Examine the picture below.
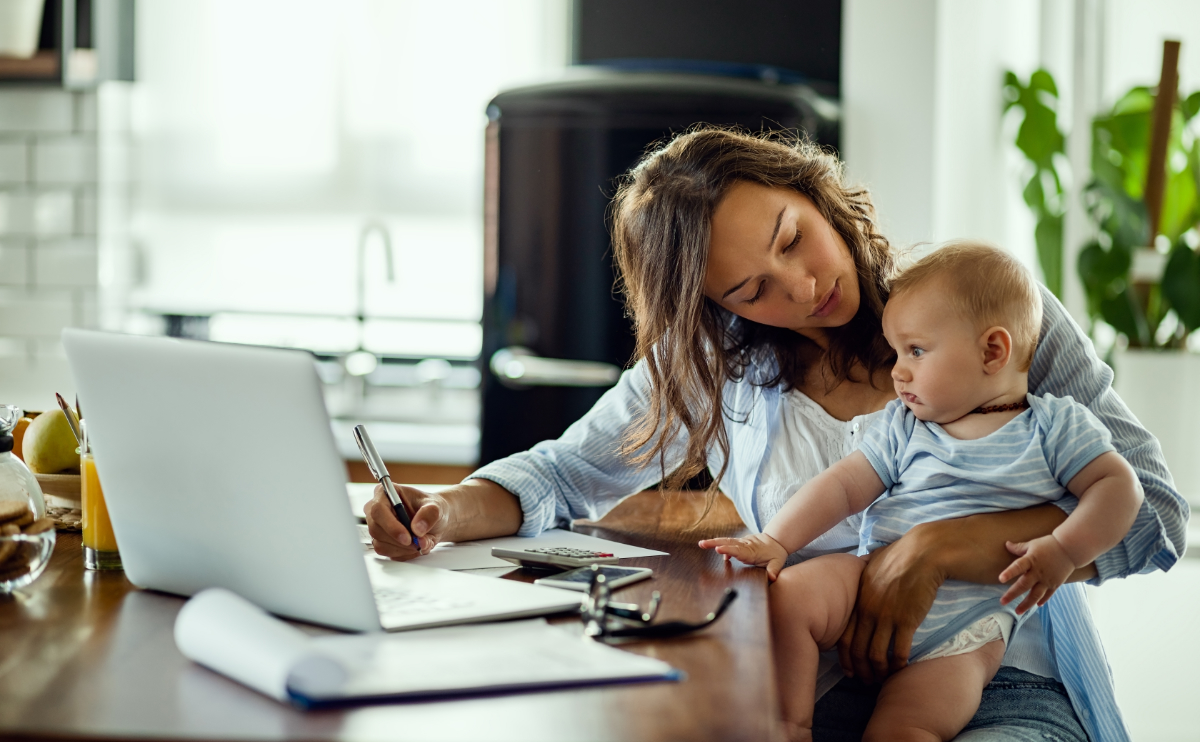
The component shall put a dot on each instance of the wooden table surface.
(86, 655)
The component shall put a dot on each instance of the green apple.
(50, 446)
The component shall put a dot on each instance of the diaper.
(985, 630)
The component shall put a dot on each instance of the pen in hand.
(380, 472)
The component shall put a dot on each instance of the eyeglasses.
(605, 619)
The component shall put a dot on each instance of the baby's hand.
(1042, 566)
(760, 550)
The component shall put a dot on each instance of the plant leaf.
(1181, 285)
(1039, 137)
(1179, 209)
(1035, 197)
(1137, 100)
(1190, 105)
(1049, 238)
(1043, 80)
(1103, 271)
(1124, 314)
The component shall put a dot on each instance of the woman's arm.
(901, 580)
(1066, 365)
(580, 475)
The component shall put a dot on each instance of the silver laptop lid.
(219, 469)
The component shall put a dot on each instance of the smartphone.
(580, 579)
(555, 558)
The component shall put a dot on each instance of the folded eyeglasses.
(605, 619)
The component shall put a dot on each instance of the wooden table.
(86, 655)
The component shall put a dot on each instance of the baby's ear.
(996, 344)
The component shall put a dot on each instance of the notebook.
(228, 634)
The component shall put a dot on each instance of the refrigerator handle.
(519, 368)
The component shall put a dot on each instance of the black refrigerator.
(555, 334)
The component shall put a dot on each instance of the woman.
(757, 280)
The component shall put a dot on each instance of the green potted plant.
(1141, 272)
(1044, 146)
(1147, 290)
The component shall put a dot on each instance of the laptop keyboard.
(397, 601)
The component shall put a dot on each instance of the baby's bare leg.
(934, 699)
(810, 605)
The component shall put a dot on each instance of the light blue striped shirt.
(583, 475)
(931, 475)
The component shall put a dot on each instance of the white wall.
(48, 237)
(922, 108)
(1133, 35)
(888, 72)
(921, 90)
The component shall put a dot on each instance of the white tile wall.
(14, 263)
(25, 314)
(86, 212)
(16, 212)
(14, 161)
(48, 246)
(69, 160)
(38, 111)
(70, 263)
(54, 213)
(86, 113)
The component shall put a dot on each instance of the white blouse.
(806, 443)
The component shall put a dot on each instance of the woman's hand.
(475, 509)
(390, 538)
(896, 591)
(760, 550)
(900, 582)
(1042, 567)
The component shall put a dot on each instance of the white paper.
(228, 634)
(478, 554)
(463, 659)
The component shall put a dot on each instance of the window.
(275, 136)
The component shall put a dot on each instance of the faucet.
(362, 362)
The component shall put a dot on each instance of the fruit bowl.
(26, 557)
(62, 490)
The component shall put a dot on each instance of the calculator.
(554, 558)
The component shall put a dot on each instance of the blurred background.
(414, 191)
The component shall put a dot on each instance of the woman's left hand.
(896, 591)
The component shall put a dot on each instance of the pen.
(380, 472)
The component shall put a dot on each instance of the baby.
(964, 437)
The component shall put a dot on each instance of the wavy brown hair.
(661, 224)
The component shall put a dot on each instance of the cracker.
(17, 561)
(9, 529)
(7, 549)
(12, 510)
(39, 526)
(24, 520)
(7, 574)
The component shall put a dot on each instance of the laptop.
(220, 469)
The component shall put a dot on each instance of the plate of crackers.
(26, 543)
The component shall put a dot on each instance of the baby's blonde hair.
(987, 287)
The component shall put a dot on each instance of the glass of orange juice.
(99, 543)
